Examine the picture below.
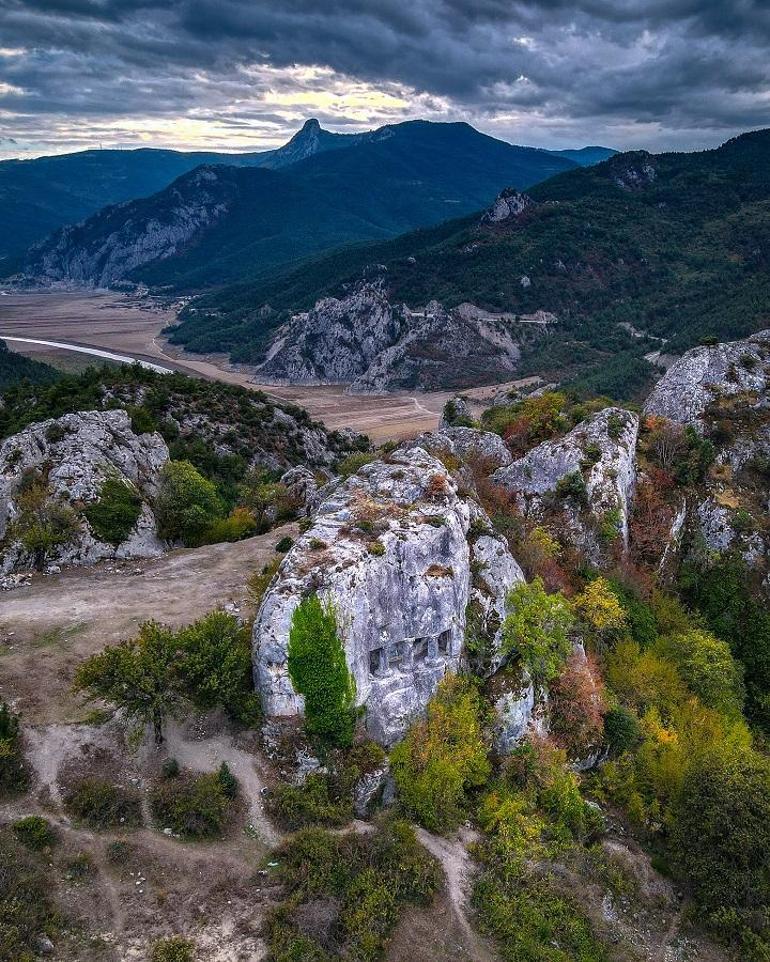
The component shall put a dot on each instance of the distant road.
(96, 352)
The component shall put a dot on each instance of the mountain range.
(42, 195)
(638, 256)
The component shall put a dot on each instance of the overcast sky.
(244, 74)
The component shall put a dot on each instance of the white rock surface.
(608, 439)
(77, 453)
(401, 612)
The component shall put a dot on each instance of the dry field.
(132, 326)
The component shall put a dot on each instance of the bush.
(353, 462)
(443, 757)
(186, 504)
(26, 911)
(536, 629)
(13, 774)
(43, 524)
(296, 806)
(578, 706)
(34, 832)
(621, 729)
(361, 881)
(319, 671)
(102, 804)
(239, 524)
(284, 545)
(193, 806)
(173, 949)
(113, 517)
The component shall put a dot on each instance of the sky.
(244, 74)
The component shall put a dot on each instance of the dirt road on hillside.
(131, 326)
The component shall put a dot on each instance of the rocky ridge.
(370, 344)
(53, 469)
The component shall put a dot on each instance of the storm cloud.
(242, 74)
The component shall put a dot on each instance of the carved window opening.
(376, 661)
(444, 642)
(420, 649)
(396, 655)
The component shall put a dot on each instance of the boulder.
(71, 457)
(393, 549)
(467, 445)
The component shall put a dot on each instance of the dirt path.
(46, 629)
(459, 870)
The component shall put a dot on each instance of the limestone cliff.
(402, 556)
(370, 344)
(54, 469)
(584, 481)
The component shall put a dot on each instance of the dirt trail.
(207, 753)
(459, 870)
(46, 629)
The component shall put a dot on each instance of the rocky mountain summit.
(403, 556)
(54, 470)
(509, 203)
(371, 344)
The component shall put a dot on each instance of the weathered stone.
(401, 607)
(520, 710)
(601, 451)
(484, 448)
(510, 203)
(76, 454)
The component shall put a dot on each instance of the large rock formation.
(586, 478)
(705, 374)
(54, 469)
(370, 344)
(404, 559)
(509, 203)
(721, 392)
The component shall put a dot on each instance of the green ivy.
(113, 517)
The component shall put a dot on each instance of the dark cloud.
(657, 73)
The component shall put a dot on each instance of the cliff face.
(585, 478)
(372, 345)
(51, 472)
(401, 555)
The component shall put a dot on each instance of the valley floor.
(131, 326)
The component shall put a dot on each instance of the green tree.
(707, 667)
(720, 838)
(13, 776)
(138, 676)
(114, 515)
(443, 757)
(536, 629)
(215, 665)
(186, 504)
(318, 670)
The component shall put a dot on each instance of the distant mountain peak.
(312, 123)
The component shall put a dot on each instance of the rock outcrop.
(585, 478)
(403, 557)
(509, 203)
(54, 469)
(705, 374)
(370, 344)
(468, 445)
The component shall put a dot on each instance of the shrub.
(114, 515)
(239, 524)
(34, 832)
(443, 757)
(621, 729)
(102, 804)
(319, 671)
(13, 773)
(173, 949)
(296, 806)
(353, 462)
(26, 911)
(536, 629)
(360, 881)
(43, 524)
(284, 545)
(572, 486)
(214, 666)
(193, 806)
(599, 609)
(577, 706)
(186, 504)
